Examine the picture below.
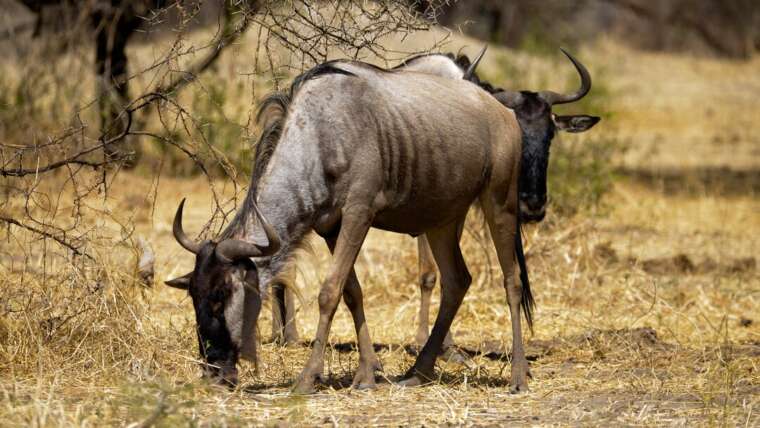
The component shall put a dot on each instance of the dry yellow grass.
(617, 339)
(647, 309)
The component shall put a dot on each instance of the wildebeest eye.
(216, 306)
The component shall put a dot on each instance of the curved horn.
(235, 249)
(555, 98)
(471, 69)
(179, 234)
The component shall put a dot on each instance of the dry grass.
(647, 306)
(618, 339)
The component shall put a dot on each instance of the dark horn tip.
(568, 55)
(179, 233)
(556, 98)
(180, 210)
(469, 73)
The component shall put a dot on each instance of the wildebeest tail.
(527, 301)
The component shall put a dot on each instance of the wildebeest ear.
(577, 123)
(182, 282)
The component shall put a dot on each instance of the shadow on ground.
(598, 345)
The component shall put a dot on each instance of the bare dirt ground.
(647, 305)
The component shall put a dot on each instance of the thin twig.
(41, 232)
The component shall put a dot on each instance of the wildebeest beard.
(211, 294)
(538, 130)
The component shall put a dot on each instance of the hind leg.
(291, 330)
(428, 275)
(278, 314)
(455, 280)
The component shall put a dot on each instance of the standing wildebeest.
(533, 111)
(349, 153)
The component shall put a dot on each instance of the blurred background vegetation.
(728, 28)
(185, 76)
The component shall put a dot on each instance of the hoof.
(303, 387)
(518, 384)
(410, 382)
(453, 355)
(364, 381)
(291, 340)
(365, 374)
(272, 340)
(286, 343)
(364, 386)
(292, 344)
(518, 388)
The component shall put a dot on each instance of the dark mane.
(310, 74)
(273, 112)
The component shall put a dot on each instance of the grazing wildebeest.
(350, 152)
(533, 111)
(284, 329)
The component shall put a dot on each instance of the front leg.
(284, 330)
(354, 299)
(455, 280)
(355, 223)
(501, 215)
(368, 361)
(428, 273)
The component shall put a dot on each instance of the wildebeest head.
(539, 125)
(224, 287)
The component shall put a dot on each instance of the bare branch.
(55, 177)
(226, 36)
(76, 158)
(61, 240)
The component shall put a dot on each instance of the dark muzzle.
(221, 373)
(532, 207)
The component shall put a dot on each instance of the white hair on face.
(240, 313)
(252, 307)
(233, 310)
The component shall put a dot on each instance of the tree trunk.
(114, 24)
